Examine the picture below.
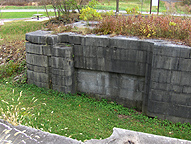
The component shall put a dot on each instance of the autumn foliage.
(167, 27)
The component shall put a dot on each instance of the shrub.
(147, 26)
(133, 10)
(88, 14)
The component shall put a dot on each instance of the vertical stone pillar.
(62, 66)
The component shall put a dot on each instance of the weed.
(14, 112)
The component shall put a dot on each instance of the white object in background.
(1, 22)
(155, 2)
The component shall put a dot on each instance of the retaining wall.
(152, 76)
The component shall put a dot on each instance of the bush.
(132, 10)
(168, 27)
(187, 2)
(88, 14)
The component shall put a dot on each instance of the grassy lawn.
(80, 117)
(9, 15)
(110, 5)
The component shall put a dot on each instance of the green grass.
(9, 15)
(111, 5)
(27, 7)
(82, 117)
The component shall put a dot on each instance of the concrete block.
(179, 111)
(87, 77)
(38, 37)
(185, 79)
(64, 37)
(179, 98)
(187, 90)
(93, 40)
(101, 64)
(61, 63)
(41, 77)
(93, 51)
(185, 53)
(166, 50)
(165, 62)
(52, 40)
(47, 50)
(100, 52)
(185, 65)
(79, 62)
(164, 76)
(157, 107)
(103, 79)
(126, 94)
(78, 50)
(30, 74)
(38, 60)
(62, 51)
(75, 39)
(159, 96)
(116, 54)
(33, 48)
(176, 77)
(125, 43)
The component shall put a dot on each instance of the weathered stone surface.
(119, 136)
(134, 72)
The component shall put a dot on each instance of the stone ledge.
(119, 136)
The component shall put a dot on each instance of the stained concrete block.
(93, 40)
(75, 39)
(38, 37)
(63, 51)
(118, 42)
(33, 48)
(38, 60)
(78, 50)
(167, 50)
(187, 90)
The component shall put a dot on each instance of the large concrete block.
(64, 37)
(185, 65)
(75, 39)
(93, 40)
(52, 40)
(176, 77)
(185, 79)
(41, 77)
(78, 50)
(187, 90)
(63, 51)
(165, 62)
(33, 48)
(158, 108)
(61, 63)
(37, 68)
(167, 50)
(179, 111)
(121, 42)
(179, 98)
(38, 37)
(38, 60)
(159, 95)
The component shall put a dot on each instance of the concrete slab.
(26, 135)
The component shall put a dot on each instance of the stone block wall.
(152, 76)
